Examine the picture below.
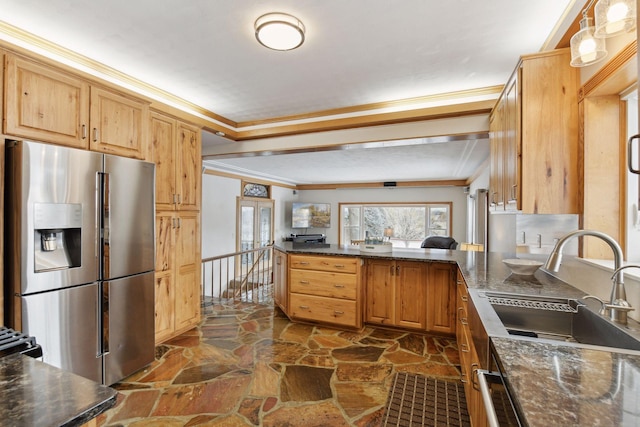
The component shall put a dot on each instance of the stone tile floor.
(248, 365)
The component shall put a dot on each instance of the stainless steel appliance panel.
(44, 177)
(129, 217)
(129, 329)
(65, 324)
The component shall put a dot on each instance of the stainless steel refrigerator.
(80, 257)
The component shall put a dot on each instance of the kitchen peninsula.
(37, 394)
(550, 383)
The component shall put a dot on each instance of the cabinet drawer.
(323, 309)
(322, 283)
(338, 264)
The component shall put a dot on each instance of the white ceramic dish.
(523, 267)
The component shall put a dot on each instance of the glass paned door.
(255, 229)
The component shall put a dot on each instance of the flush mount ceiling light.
(279, 31)
(614, 17)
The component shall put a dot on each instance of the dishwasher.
(495, 395)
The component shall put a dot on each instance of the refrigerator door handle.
(106, 225)
(104, 319)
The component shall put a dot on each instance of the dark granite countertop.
(36, 394)
(551, 383)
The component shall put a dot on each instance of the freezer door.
(51, 195)
(65, 324)
(128, 217)
(128, 326)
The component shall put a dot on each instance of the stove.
(16, 342)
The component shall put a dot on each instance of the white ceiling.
(356, 52)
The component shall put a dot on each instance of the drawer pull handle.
(338, 265)
(463, 377)
(464, 347)
(304, 263)
(338, 286)
(463, 319)
(338, 313)
(304, 307)
(464, 298)
(474, 372)
(304, 282)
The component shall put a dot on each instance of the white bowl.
(523, 267)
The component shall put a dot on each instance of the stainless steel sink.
(561, 319)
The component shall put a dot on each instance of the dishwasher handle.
(492, 418)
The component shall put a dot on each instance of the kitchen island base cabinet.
(410, 294)
(280, 290)
(323, 309)
(396, 293)
(441, 314)
(325, 289)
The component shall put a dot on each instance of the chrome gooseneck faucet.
(618, 306)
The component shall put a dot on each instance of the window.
(406, 224)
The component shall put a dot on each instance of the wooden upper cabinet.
(534, 138)
(163, 143)
(50, 105)
(189, 173)
(118, 124)
(45, 104)
(176, 151)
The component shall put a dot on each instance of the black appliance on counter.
(309, 241)
(16, 342)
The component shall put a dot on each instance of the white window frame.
(343, 235)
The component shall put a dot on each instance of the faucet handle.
(603, 305)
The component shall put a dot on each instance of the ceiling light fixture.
(279, 31)
(612, 17)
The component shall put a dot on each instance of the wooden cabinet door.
(410, 286)
(164, 306)
(163, 142)
(280, 279)
(441, 298)
(496, 132)
(512, 159)
(165, 276)
(189, 167)
(188, 262)
(45, 104)
(379, 299)
(118, 124)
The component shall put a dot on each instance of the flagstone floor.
(248, 365)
